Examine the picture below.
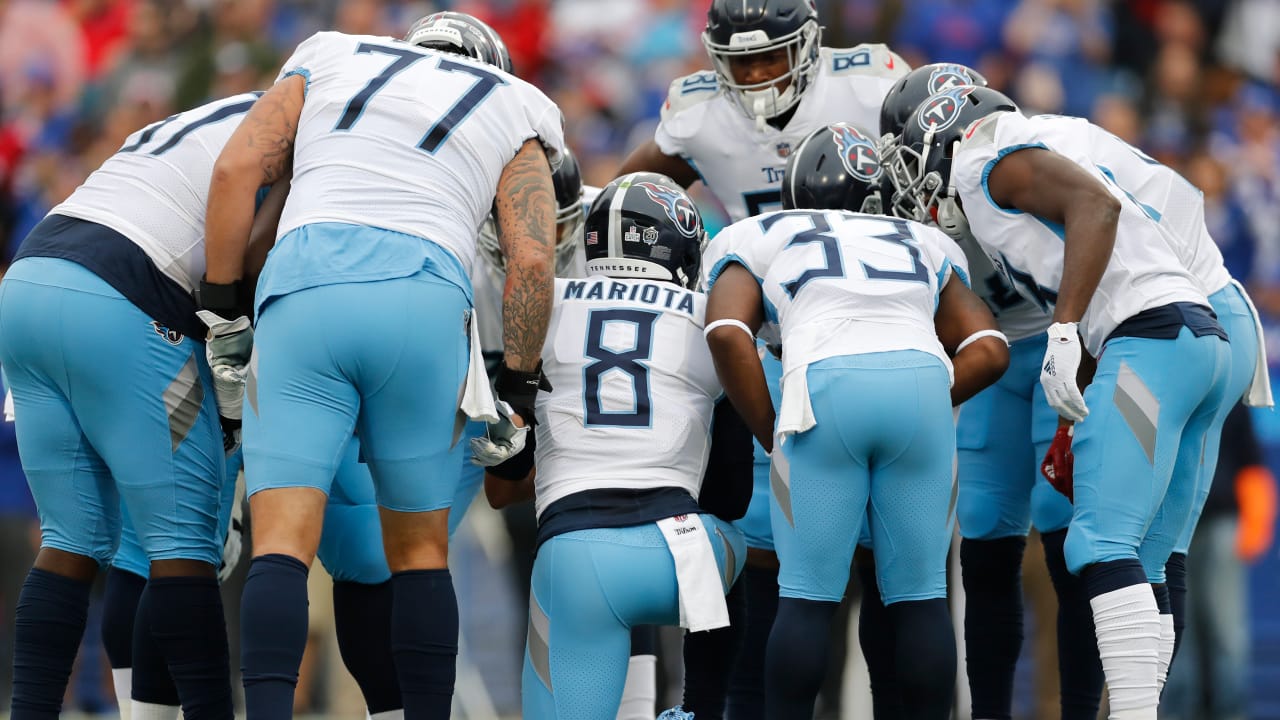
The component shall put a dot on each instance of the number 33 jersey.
(840, 283)
(408, 139)
(634, 389)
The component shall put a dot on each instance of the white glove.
(228, 346)
(1058, 373)
(502, 440)
(231, 548)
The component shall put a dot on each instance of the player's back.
(842, 283)
(408, 139)
(634, 389)
(1163, 194)
(155, 188)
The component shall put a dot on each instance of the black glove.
(520, 389)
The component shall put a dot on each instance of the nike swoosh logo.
(889, 63)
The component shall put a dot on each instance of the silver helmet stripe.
(615, 215)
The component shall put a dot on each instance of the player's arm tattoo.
(526, 210)
(259, 152)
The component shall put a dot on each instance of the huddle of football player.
(391, 251)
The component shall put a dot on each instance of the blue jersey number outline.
(903, 236)
(442, 128)
(631, 362)
(149, 132)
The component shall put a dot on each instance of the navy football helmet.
(919, 85)
(920, 167)
(736, 28)
(644, 225)
(567, 180)
(837, 167)
(461, 34)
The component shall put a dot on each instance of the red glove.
(1059, 462)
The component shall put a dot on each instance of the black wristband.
(220, 298)
(520, 389)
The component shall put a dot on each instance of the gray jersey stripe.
(182, 401)
(1139, 408)
(539, 641)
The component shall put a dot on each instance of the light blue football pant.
(130, 556)
(1002, 435)
(880, 453)
(1235, 317)
(351, 544)
(589, 588)
(1138, 453)
(383, 359)
(111, 407)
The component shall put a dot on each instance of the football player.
(116, 268)
(870, 308)
(621, 446)
(1001, 435)
(733, 128)
(401, 149)
(1070, 239)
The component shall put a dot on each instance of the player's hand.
(502, 440)
(1058, 466)
(1058, 372)
(519, 389)
(227, 347)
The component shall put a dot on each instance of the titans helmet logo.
(858, 153)
(942, 110)
(677, 206)
(945, 77)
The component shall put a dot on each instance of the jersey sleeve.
(873, 60)
(309, 54)
(544, 121)
(729, 246)
(682, 112)
(983, 144)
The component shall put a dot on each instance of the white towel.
(1258, 393)
(475, 401)
(8, 406)
(796, 413)
(702, 605)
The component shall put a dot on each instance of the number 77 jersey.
(408, 139)
(841, 283)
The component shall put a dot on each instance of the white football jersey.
(841, 283)
(408, 139)
(1144, 272)
(742, 165)
(1163, 194)
(1019, 318)
(154, 190)
(488, 282)
(633, 383)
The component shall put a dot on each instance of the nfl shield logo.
(784, 149)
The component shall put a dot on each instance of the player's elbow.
(233, 168)
(985, 360)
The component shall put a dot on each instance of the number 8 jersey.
(634, 389)
(408, 139)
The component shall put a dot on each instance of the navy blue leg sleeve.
(925, 656)
(796, 660)
(876, 638)
(362, 619)
(992, 571)
(1175, 576)
(119, 608)
(48, 625)
(1079, 667)
(190, 630)
(273, 634)
(424, 639)
(746, 684)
